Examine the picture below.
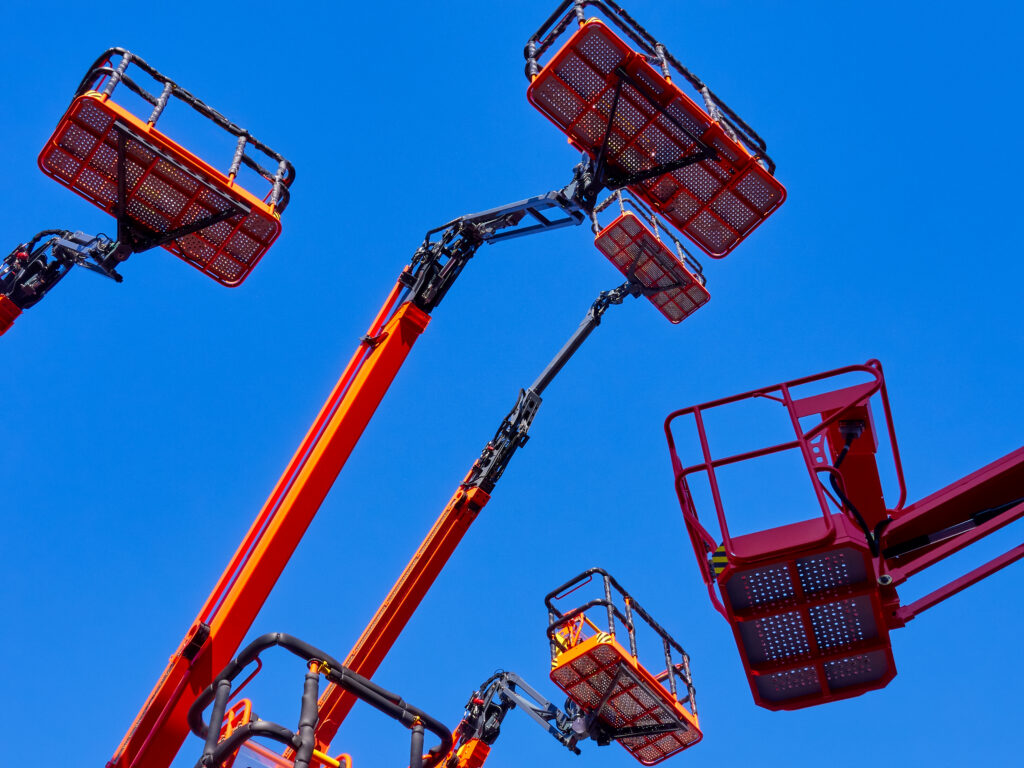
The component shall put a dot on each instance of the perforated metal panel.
(716, 203)
(809, 629)
(167, 188)
(601, 670)
(630, 245)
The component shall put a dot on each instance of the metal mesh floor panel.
(603, 671)
(716, 203)
(167, 188)
(628, 243)
(810, 629)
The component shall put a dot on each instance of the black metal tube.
(161, 102)
(669, 668)
(308, 716)
(611, 608)
(236, 161)
(416, 746)
(220, 704)
(632, 632)
(590, 322)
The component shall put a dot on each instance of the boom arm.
(486, 710)
(434, 552)
(29, 271)
(161, 726)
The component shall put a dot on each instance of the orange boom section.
(616, 107)
(161, 193)
(600, 670)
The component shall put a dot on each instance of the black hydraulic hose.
(834, 476)
(416, 746)
(308, 716)
(924, 540)
(389, 703)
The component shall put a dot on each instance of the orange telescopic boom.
(161, 726)
(651, 270)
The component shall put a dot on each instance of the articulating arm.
(503, 692)
(31, 269)
(446, 249)
(512, 434)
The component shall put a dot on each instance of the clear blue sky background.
(145, 423)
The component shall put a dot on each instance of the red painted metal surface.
(168, 187)
(716, 203)
(160, 728)
(9, 312)
(811, 603)
(631, 246)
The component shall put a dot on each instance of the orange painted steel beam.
(160, 728)
(403, 599)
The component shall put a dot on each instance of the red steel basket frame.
(673, 283)
(706, 172)
(811, 603)
(160, 193)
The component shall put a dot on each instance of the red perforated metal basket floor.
(810, 629)
(587, 672)
(716, 203)
(628, 243)
(167, 188)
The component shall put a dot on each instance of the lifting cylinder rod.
(434, 552)
(161, 727)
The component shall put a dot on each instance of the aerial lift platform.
(160, 193)
(811, 603)
(674, 284)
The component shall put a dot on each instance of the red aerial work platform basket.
(651, 721)
(705, 171)
(639, 253)
(161, 193)
(811, 603)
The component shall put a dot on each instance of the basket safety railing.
(808, 442)
(160, 193)
(562, 623)
(104, 77)
(220, 744)
(811, 603)
(570, 11)
(625, 201)
(708, 175)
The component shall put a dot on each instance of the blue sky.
(146, 422)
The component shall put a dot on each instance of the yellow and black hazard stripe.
(719, 560)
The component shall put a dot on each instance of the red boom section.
(398, 607)
(9, 312)
(160, 728)
(717, 203)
